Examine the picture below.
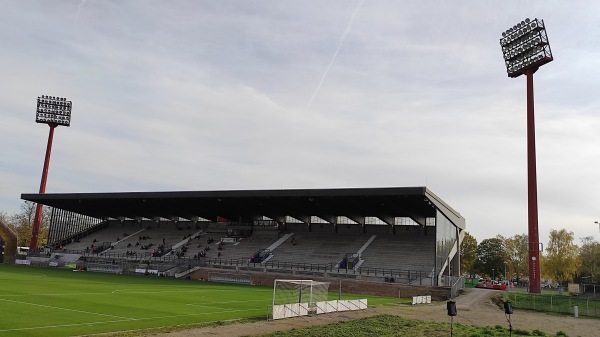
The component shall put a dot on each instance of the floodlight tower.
(53, 111)
(525, 47)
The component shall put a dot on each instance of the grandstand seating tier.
(407, 250)
(318, 248)
(398, 252)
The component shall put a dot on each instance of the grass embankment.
(390, 325)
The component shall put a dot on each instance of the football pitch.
(60, 302)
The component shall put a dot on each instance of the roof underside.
(417, 203)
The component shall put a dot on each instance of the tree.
(490, 259)
(517, 255)
(468, 254)
(4, 217)
(22, 224)
(561, 260)
(589, 257)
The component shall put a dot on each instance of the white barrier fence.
(303, 309)
(421, 300)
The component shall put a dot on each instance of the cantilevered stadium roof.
(386, 203)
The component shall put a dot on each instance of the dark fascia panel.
(386, 201)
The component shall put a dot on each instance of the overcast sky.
(221, 95)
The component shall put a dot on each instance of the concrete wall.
(296, 227)
(349, 229)
(349, 286)
(411, 231)
(322, 228)
(377, 229)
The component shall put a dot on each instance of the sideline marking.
(66, 309)
(125, 291)
(126, 320)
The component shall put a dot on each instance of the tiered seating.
(398, 252)
(216, 229)
(242, 250)
(167, 236)
(110, 234)
(407, 250)
(318, 248)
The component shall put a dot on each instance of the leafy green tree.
(589, 257)
(517, 255)
(561, 261)
(468, 254)
(490, 257)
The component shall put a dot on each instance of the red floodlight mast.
(53, 111)
(525, 47)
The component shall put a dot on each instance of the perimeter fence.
(558, 304)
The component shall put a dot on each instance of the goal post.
(294, 298)
(299, 291)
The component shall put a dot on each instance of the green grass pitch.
(59, 302)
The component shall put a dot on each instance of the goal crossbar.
(296, 291)
(294, 298)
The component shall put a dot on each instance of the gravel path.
(473, 308)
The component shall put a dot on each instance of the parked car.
(492, 284)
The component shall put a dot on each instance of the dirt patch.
(474, 307)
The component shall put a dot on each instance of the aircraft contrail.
(335, 54)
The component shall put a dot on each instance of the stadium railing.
(457, 285)
(410, 275)
(416, 275)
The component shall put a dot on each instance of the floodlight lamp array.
(525, 46)
(53, 110)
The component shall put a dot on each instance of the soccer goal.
(294, 298)
(299, 291)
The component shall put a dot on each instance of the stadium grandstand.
(404, 235)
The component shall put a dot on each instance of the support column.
(532, 206)
(33, 243)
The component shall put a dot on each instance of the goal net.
(294, 298)
(299, 291)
